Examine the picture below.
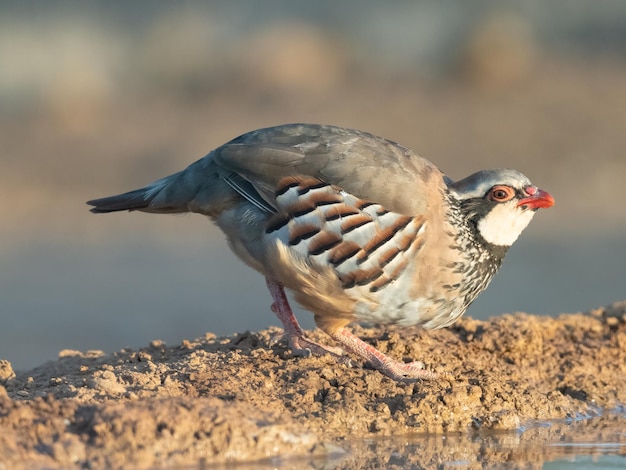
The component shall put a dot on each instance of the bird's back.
(367, 166)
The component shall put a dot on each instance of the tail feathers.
(144, 199)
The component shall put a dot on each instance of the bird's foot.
(400, 371)
(404, 371)
(301, 346)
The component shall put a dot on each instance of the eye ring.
(501, 193)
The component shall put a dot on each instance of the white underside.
(504, 224)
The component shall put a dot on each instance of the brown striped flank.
(309, 195)
(323, 241)
(339, 211)
(360, 277)
(299, 232)
(343, 252)
(354, 222)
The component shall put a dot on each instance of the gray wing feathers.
(367, 166)
(246, 189)
(250, 166)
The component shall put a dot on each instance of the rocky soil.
(244, 398)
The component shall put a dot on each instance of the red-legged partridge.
(357, 226)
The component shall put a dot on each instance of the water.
(57, 295)
(596, 443)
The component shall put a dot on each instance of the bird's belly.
(425, 312)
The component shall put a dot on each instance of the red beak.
(537, 199)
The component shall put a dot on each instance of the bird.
(360, 228)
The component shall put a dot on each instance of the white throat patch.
(504, 223)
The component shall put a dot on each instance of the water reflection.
(595, 443)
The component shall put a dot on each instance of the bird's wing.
(364, 165)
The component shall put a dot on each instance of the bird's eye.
(501, 193)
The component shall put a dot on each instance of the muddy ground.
(245, 398)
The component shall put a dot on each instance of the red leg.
(300, 345)
(396, 370)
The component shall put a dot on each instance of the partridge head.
(357, 226)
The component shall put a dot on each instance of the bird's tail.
(152, 198)
(198, 188)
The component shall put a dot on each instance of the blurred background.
(99, 97)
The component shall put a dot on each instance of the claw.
(407, 372)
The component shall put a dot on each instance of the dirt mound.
(244, 397)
